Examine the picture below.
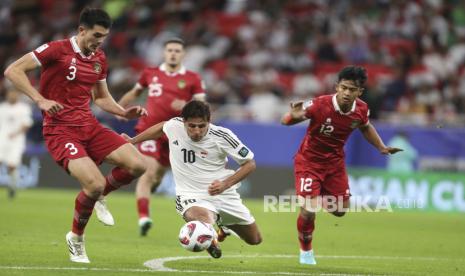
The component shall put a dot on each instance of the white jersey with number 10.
(196, 165)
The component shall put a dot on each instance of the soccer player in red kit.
(73, 73)
(170, 86)
(319, 168)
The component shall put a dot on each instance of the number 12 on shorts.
(305, 184)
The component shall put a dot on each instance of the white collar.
(338, 109)
(76, 48)
(181, 71)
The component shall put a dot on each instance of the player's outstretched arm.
(152, 133)
(372, 136)
(130, 96)
(16, 73)
(295, 115)
(218, 186)
(105, 101)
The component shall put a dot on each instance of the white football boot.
(103, 214)
(307, 257)
(77, 249)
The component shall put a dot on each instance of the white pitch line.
(76, 268)
(158, 265)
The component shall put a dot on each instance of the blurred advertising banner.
(416, 190)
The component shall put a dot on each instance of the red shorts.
(158, 149)
(314, 179)
(72, 142)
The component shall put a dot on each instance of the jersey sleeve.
(233, 146)
(46, 53)
(366, 117)
(310, 108)
(103, 74)
(171, 126)
(142, 82)
(198, 85)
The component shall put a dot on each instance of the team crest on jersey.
(355, 124)
(203, 154)
(97, 68)
(176, 143)
(181, 84)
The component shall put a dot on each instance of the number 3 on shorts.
(72, 149)
(305, 184)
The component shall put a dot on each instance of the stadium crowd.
(256, 56)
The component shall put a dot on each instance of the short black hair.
(91, 16)
(196, 109)
(357, 74)
(175, 40)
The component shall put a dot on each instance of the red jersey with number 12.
(164, 88)
(67, 77)
(329, 128)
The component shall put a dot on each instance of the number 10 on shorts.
(305, 184)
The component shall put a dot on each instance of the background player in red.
(73, 73)
(170, 86)
(319, 166)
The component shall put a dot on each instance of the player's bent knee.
(137, 169)
(307, 215)
(94, 192)
(256, 240)
(338, 214)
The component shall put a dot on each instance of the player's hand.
(297, 106)
(49, 106)
(135, 112)
(178, 104)
(389, 150)
(127, 138)
(217, 187)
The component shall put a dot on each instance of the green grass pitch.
(33, 228)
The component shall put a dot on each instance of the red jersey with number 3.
(329, 128)
(164, 88)
(67, 77)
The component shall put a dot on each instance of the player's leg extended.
(92, 183)
(308, 178)
(249, 233)
(130, 165)
(147, 182)
(206, 216)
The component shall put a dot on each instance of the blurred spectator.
(292, 47)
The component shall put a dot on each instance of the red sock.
(82, 211)
(143, 207)
(116, 178)
(305, 229)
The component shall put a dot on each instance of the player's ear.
(81, 29)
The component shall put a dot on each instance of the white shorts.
(11, 153)
(229, 208)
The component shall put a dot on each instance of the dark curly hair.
(196, 109)
(357, 74)
(92, 16)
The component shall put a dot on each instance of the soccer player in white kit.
(15, 120)
(205, 188)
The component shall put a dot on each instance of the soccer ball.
(196, 236)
